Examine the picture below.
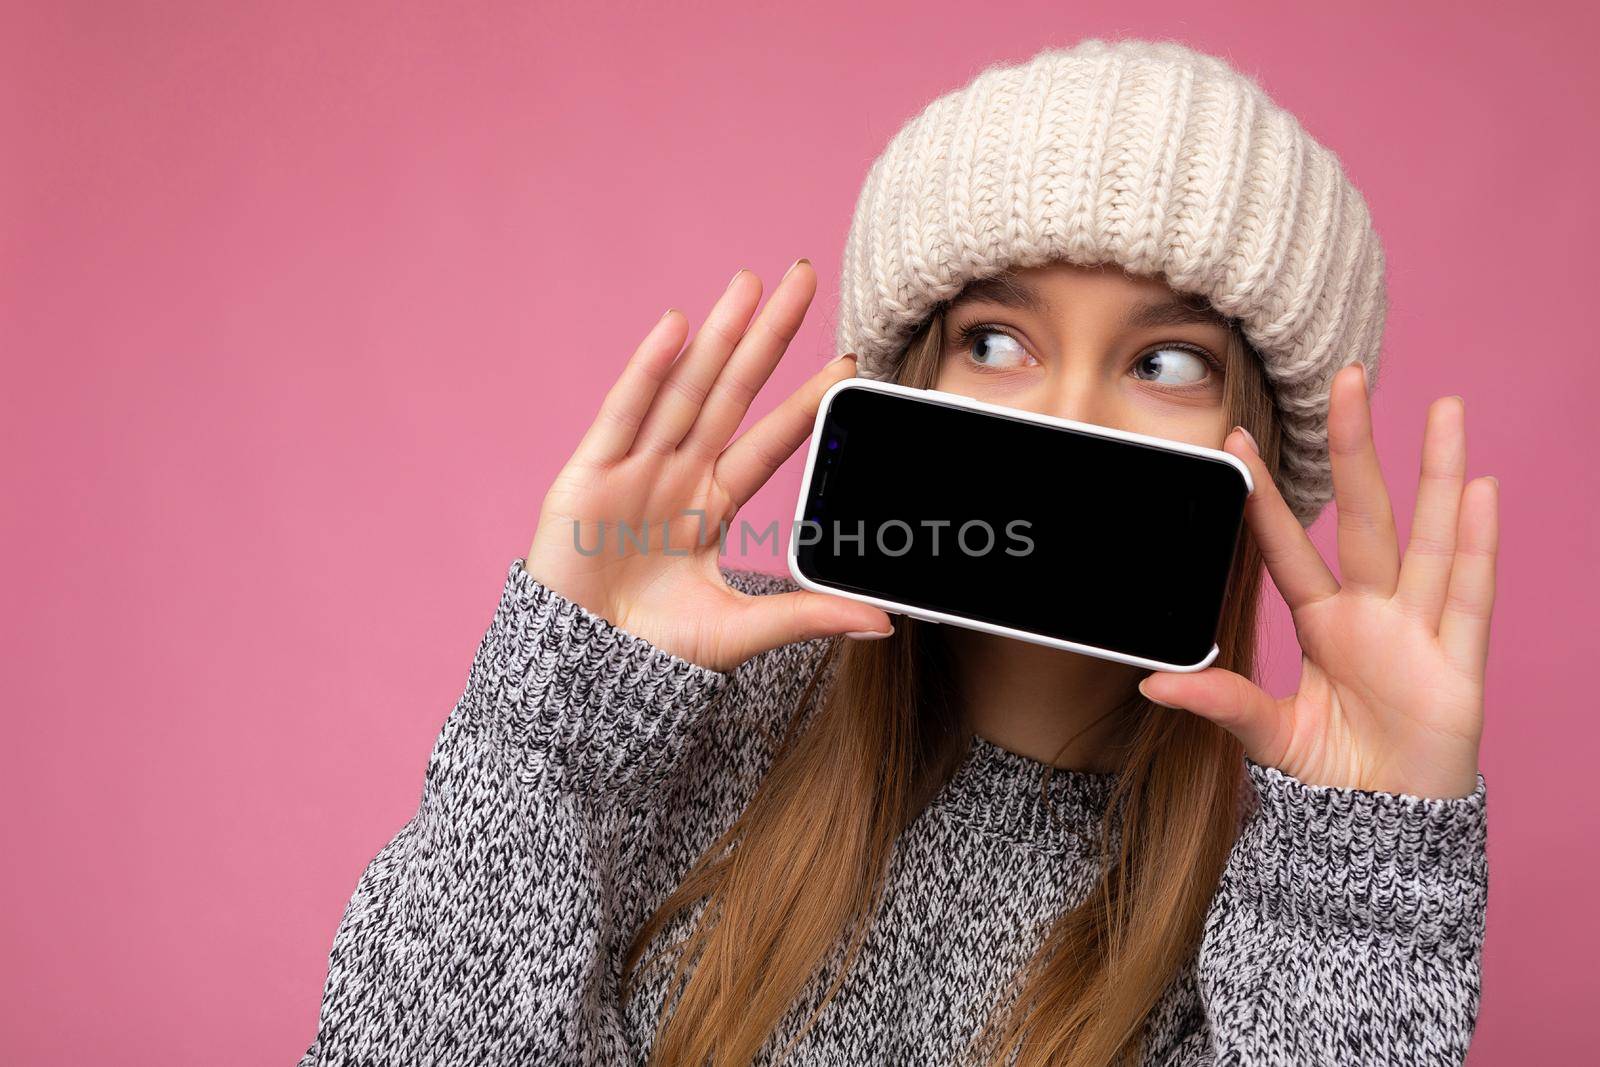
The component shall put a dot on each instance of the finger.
(747, 463)
(689, 382)
(1230, 700)
(1297, 568)
(611, 433)
(1464, 624)
(753, 360)
(1369, 549)
(766, 622)
(1431, 548)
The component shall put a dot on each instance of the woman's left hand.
(1391, 684)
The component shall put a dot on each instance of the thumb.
(782, 618)
(1230, 700)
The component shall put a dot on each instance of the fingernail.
(1153, 700)
(841, 359)
(735, 277)
(667, 312)
(793, 265)
(1495, 480)
(868, 635)
(1249, 439)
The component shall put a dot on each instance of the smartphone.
(1066, 534)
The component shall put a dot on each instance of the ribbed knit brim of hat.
(1147, 155)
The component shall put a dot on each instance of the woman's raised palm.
(1394, 656)
(632, 526)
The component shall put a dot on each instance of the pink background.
(303, 304)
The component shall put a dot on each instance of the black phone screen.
(1115, 544)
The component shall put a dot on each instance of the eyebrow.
(1181, 309)
(1004, 289)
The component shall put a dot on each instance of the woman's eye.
(1172, 366)
(992, 348)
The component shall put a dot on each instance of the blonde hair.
(784, 890)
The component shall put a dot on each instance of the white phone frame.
(937, 396)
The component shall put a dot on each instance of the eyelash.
(965, 335)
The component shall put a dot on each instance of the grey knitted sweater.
(583, 770)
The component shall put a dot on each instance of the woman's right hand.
(658, 456)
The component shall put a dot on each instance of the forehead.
(1060, 288)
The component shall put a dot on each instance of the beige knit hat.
(1146, 155)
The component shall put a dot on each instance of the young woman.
(686, 813)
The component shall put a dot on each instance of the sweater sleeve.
(575, 703)
(1347, 929)
(480, 932)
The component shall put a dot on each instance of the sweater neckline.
(1004, 794)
